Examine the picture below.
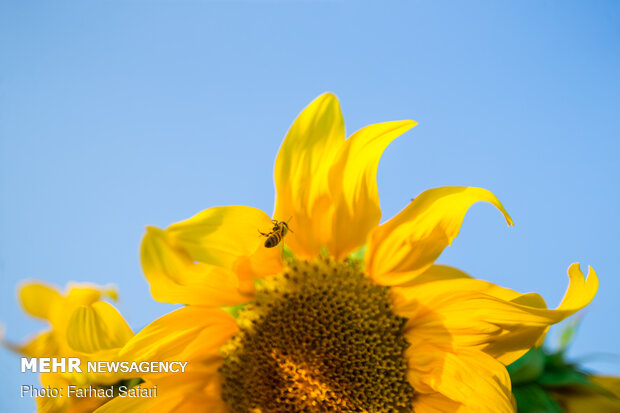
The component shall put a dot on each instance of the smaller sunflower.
(324, 329)
(81, 325)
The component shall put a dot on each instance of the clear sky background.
(115, 115)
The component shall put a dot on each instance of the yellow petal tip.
(152, 229)
(110, 291)
(581, 290)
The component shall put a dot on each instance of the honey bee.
(279, 230)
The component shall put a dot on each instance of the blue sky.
(115, 115)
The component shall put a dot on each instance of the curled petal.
(326, 185)
(301, 174)
(175, 277)
(353, 186)
(467, 313)
(98, 327)
(408, 244)
(228, 237)
(48, 303)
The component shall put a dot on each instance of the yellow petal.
(228, 237)
(583, 403)
(67, 404)
(435, 403)
(408, 244)
(176, 278)
(76, 295)
(86, 293)
(301, 174)
(38, 299)
(166, 401)
(43, 345)
(439, 272)
(180, 393)
(467, 313)
(96, 328)
(473, 379)
(353, 186)
(611, 384)
(186, 334)
(580, 291)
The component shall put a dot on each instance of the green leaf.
(528, 368)
(560, 378)
(556, 361)
(572, 379)
(531, 398)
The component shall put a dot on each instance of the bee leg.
(281, 248)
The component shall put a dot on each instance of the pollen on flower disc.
(320, 338)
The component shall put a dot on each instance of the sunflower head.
(325, 330)
(319, 337)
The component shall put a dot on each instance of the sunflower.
(81, 325)
(344, 314)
